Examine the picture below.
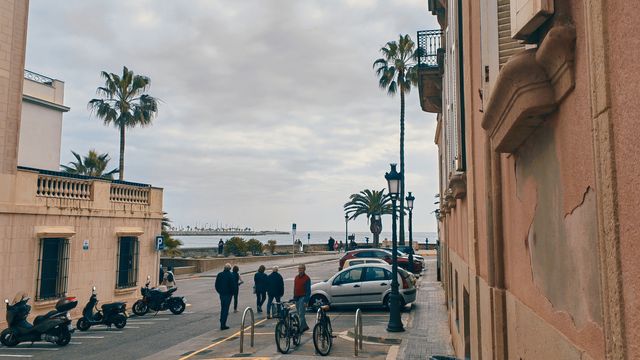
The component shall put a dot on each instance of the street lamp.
(395, 322)
(346, 230)
(410, 199)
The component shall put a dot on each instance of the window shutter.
(506, 45)
(528, 15)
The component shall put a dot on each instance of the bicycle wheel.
(322, 339)
(329, 328)
(283, 341)
(295, 329)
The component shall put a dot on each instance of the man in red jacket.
(301, 294)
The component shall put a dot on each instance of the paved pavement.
(428, 332)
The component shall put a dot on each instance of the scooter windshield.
(21, 295)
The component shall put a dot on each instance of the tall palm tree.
(93, 164)
(123, 103)
(397, 72)
(369, 203)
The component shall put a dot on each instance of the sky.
(270, 111)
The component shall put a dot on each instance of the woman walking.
(237, 281)
(260, 285)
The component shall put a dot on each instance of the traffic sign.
(159, 243)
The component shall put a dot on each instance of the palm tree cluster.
(93, 164)
(123, 103)
(397, 73)
(369, 203)
(171, 245)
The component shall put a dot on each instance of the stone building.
(60, 234)
(537, 131)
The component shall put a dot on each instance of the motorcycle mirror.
(148, 278)
(93, 288)
(6, 301)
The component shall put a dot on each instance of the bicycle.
(288, 326)
(322, 332)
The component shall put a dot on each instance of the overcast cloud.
(270, 110)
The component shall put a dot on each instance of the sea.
(307, 237)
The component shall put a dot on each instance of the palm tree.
(91, 165)
(396, 72)
(124, 104)
(369, 203)
(171, 245)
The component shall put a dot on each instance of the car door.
(346, 287)
(375, 283)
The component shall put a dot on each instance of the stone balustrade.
(64, 188)
(129, 194)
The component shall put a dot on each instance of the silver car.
(366, 284)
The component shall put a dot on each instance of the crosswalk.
(43, 350)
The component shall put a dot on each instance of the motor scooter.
(114, 313)
(54, 326)
(158, 299)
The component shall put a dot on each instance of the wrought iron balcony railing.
(30, 75)
(429, 41)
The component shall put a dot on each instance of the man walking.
(275, 290)
(260, 280)
(301, 294)
(224, 287)
(220, 247)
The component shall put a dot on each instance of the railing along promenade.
(224, 233)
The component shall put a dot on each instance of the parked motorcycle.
(111, 314)
(54, 326)
(158, 299)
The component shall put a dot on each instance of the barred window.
(53, 267)
(127, 270)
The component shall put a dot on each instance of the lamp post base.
(395, 321)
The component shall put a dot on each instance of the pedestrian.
(237, 281)
(260, 285)
(220, 247)
(224, 287)
(300, 245)
(275, 290)
(301, 294)
(169, 279)
(385, 243)
(161, 278)
(335, 246)
(340, 246)
(330, 244)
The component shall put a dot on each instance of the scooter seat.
(40, 318)
(112, 306)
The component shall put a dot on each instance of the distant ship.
(223, 232)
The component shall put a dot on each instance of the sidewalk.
(428, 332)
(285, 261)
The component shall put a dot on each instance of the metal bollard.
(357, 333)
(253, 324)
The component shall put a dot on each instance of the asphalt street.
(191, 334)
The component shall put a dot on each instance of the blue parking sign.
(159, 243)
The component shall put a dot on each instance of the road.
(167, 336)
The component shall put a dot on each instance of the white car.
(366, 284)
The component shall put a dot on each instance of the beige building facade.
(537, 131)
(59, 234)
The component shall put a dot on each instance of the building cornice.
(48, 104)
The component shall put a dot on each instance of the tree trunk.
(401, 199)
(376, 229)
(121, 163)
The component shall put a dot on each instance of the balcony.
(430, 69)
(51, 192)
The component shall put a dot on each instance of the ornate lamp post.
(410, 199)
(395, 322)
(346, 230)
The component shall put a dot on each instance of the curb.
(376, 339)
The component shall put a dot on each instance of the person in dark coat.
(330, 243)
(260, 280)
(237, 281)
(224, 287)
(220, 247)
(275, 290)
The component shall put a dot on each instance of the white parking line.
(88, 337)
(140, 323)
(30, 348)
(16, 356)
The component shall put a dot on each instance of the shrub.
(236, 246)
(254, 247)
(171, 245)
(271, 245)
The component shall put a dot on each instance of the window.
(363, 254)
(349, 276)
(53, 266)
(380, 254)
(356, 262)
(376, 274)
(127, 273)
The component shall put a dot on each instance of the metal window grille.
(127, 266)
(53, 269)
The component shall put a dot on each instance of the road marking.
(88, 337)
(16, 356)
(75, 342)
(30, 348)
(141, 322)
(216, 343)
